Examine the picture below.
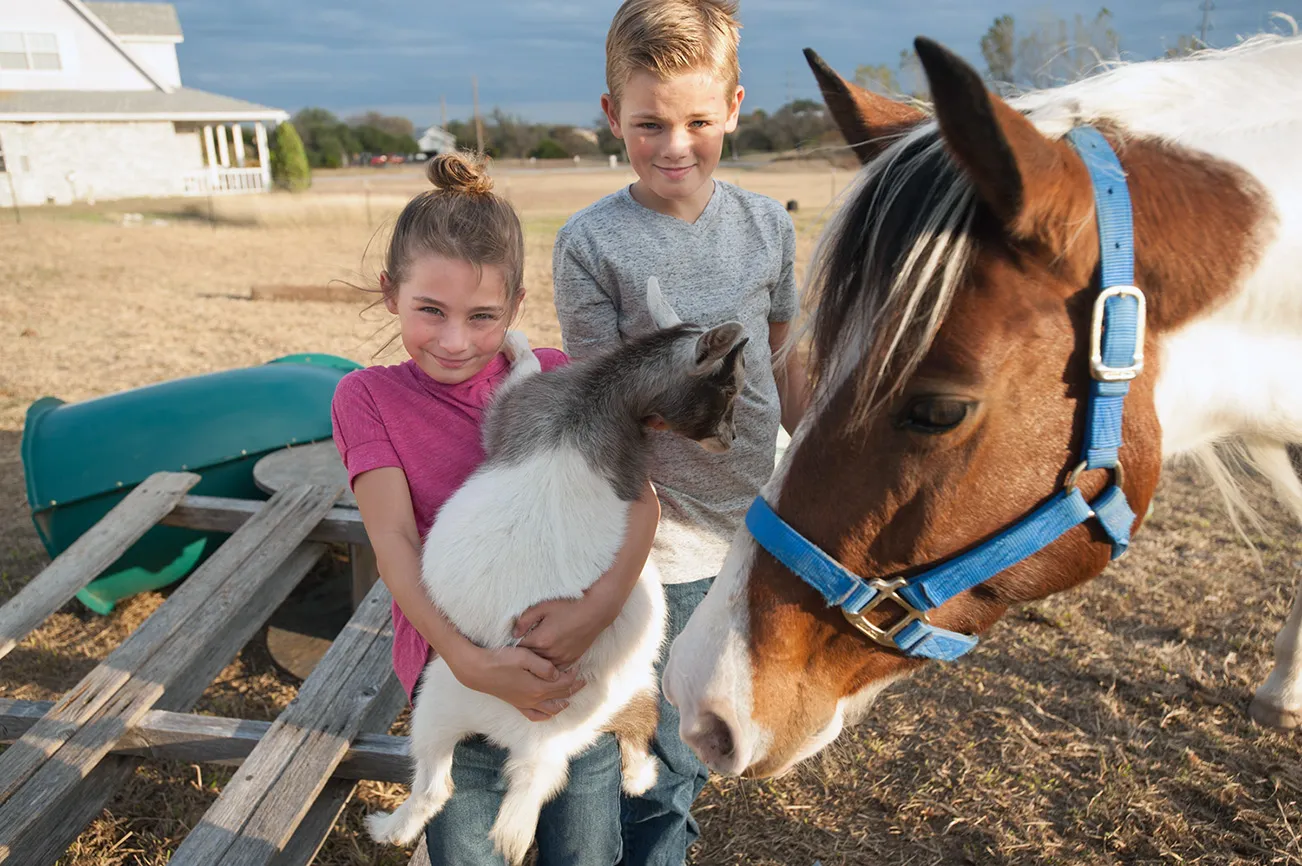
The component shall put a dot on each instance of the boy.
(719, 253)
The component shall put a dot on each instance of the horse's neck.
(1241, 106)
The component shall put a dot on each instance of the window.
(39, 51)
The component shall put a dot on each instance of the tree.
(327, 141)
(1056, 53)
(606, 141)
(798, 124)
(878, 78)
(913, 77)
(510, 136)
(549, 148)
(1185, 45)
(289, 169)
(1052, 52)
(372, 139)
(398, 127)
(999, 48)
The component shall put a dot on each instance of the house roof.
(184, 103)
(138, 19)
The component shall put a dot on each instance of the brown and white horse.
(950, 342)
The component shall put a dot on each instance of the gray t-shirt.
(735, 263)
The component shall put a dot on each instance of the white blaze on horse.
(966, 443)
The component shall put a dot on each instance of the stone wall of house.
(58, 162)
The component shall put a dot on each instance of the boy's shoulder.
(755, 202)
(756, 212)
(601, 214)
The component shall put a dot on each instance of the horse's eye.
(934, 414)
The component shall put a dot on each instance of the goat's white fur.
(512, 536)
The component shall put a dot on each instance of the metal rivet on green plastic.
(54, 502)
(119, 484)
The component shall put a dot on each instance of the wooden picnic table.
(301, 632)
(68, 758)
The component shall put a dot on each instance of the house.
(436, 140)
(92, 107)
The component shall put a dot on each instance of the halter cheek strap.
(1116, 357)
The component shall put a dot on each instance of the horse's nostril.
(716, 737)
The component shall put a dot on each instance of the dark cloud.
(544, 59)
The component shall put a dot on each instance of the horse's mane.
(887, 267)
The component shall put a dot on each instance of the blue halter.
(1116, 357)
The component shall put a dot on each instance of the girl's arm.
(521, 678)
(562, 630)
(791, 376)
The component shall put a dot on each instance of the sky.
(543, 60)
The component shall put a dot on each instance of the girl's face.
(453, 316)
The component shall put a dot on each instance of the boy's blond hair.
(670, 37)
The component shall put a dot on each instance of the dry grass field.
(1104, 726)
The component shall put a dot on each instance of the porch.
(225, 171)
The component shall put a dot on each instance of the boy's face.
(673, 129)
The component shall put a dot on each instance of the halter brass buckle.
(1073, 478)
(887, 590)
(1100, 370)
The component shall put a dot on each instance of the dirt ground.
(1104, 726)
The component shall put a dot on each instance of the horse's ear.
(868, 121)
(1032, 184)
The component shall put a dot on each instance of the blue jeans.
(580, 826)
(658, 826)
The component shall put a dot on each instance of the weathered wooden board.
(262, 805)
(88, 556)
(168, 651)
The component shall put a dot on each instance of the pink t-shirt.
(399, 416)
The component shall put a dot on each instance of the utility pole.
(1207, 7)
(479, 123)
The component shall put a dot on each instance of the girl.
(409, 436)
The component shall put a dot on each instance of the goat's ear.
(716, 343)
(736, 360)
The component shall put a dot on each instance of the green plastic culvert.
(81, 459)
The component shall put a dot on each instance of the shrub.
(289, 169)
(550, 148)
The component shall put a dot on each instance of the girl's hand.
(561, 630)
(519, 677)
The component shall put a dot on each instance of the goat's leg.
(431, 749)
(634, 728)
(532, 779)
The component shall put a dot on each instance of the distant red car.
(379, 160)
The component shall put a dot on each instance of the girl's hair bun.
(459, 172)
